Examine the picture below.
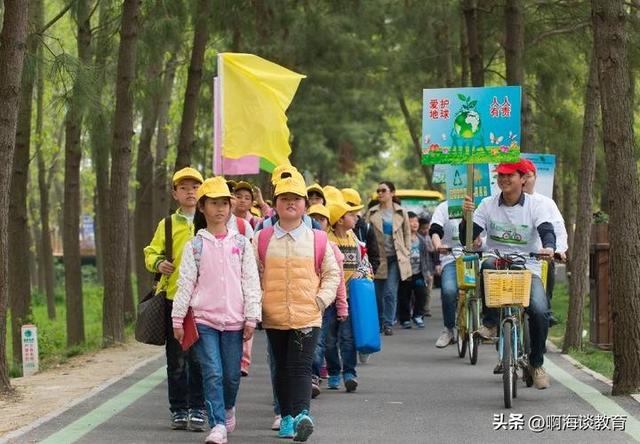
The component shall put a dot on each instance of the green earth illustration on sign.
(467, 123)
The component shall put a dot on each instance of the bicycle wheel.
(474, 339)
(461, 339)
(507, 358)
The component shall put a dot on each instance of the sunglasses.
(381, 190)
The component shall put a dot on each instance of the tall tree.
(19, 242)
(72, 199)
(12, 48)
(474, 25)
(609, 18)
(116, 254)
(194, 79)
(579, 277)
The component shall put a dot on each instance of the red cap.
(531, 167)
(510, 168)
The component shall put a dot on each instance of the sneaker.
(244, 372)
(406, 325)
(445, 338)
(552, 320)
(333, 383)
(276, 423)
(197, 420)
(324, 373)
(315, 386)
(303, 427)
(363, 357)
(540, 377)
(498, 369)
(179, 420)
(419, 322)
(350, 382)
(488, 332)
(218, 435)
(230, 419)
(428, 314)
(388, 331)
(286, 427)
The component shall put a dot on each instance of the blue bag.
(364, 315)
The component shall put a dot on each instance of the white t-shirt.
(450, 226)
(513, 229)
(562, 243)
(232, 225)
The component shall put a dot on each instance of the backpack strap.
(196, 245)
(168, 238)
(320, 241)
(264, 236)
(242, 229)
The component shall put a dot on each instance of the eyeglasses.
(381, 190)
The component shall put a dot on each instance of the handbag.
(150, 323)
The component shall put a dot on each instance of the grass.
(590, 356)
(52, 334)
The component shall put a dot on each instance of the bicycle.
(469, 307)
(508, 287)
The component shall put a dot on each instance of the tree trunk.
(464, 53)
(473, 20)
(426, 169)
(143, 215)
(194, 78)
(72, 199)
(117, 238)
(46, 252)
(99, 140)
(609, 17)
(579, 278)
(160, 180)
(12, 47)
(129, 306)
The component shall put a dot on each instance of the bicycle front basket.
(507, 287)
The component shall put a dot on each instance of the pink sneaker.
(276, 423)
(230, 419)
(218, 435)
(324, 373)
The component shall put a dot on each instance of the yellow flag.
(255, 95)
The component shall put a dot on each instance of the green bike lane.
(410, 392)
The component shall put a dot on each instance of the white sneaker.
(218, 435)
(446, 338)
(276, 423)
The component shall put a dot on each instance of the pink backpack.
(320, 241)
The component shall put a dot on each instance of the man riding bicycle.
(519, 213)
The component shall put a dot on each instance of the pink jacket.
(342, 307)
(224, 291)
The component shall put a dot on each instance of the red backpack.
(320, 241)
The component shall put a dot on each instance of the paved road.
(411, 392)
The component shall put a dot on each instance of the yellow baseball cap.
(337, 210)
(315, 188)
(294, 185)
(278, 171)
(352, 198)
(214, 187)
(319, 209)
(332, 194)
(186, 173)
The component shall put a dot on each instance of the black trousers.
(293, 352)
(184, 376)
(412, 290)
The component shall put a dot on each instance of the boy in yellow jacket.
(184, 377)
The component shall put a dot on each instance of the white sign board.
(30, 360)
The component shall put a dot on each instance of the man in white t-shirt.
(513, 221)
(444, 234)
(559, 228)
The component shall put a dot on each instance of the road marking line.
(107, 410)
(600, 402)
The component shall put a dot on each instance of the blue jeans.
(538, 311)
(219, 354)
(184, 377)
(387, 292)
(336, 344)
(449, 294)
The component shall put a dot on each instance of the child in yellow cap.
(184, 378)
